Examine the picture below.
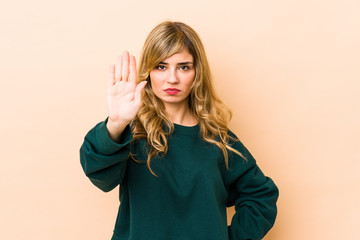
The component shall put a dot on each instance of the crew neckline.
(189, 130)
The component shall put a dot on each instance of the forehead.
(181, 56)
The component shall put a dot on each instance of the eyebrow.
(180, 63)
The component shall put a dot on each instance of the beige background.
(289, 70)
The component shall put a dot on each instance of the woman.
(166, 143)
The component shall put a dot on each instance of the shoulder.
(245, 156)
(234, 141)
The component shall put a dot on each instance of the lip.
(172, 91)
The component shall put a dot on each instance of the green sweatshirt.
(188, 198)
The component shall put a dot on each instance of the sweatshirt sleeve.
(253, 194)
(103, 160)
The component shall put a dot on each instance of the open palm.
(124, 94)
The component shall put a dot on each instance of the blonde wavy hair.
(152, 122)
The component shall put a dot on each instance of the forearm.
(103, 160)
(255, 212)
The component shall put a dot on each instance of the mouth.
(172, 91)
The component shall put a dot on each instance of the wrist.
(115, 128)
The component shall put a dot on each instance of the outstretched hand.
(124, 94)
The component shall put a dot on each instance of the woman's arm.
(103, 160)
(254, 196)
(106, 147)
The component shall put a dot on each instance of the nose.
(172, 78)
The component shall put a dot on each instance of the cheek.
(154, 81)
(190, 79)
(154, 87)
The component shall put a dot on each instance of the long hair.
(152, 122)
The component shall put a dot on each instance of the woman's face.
(172, 78)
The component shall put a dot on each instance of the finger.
(132, 74)
(138, 92)
(111, 80)
(125, 66)
(118, 67)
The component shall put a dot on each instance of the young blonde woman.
(167, 144)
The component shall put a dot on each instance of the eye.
(160, 67)
(184, 67)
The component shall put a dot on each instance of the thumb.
(138, 92)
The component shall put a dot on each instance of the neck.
(180, 114)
